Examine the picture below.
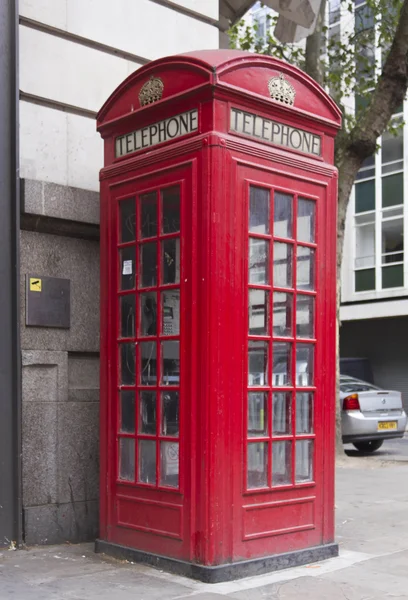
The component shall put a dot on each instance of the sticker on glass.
(127, 267)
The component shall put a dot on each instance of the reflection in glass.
(282, 265)
(148, 217)
(257, 465)
(304, 316)
(170, 413)
(127, 364)
(257, 363)
(147, 461)
(170, 306)
(282, 413)
(304, 461)
(127, 316)
(281, 463)
(306, 220)
(127, 220)
(281, 372)
(127, 459)
(148, 257)
(258, 210)
(148, 363)
(304, 412)
(282, 215)
(282, 314)
(305, 268)
(258, 261)
(258, 312)
(127, 268)
(304, 364)
(257, 414)
(127, 411)
(169, 464)
(147, 412)
(170, 363)
(148, 313)
(171, 209)
(171, 261)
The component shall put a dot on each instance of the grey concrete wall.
(60, 378)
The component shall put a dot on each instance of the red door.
(148, 486)
(280, 491)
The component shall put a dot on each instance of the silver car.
(369, 414)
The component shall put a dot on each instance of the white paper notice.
(127, 267)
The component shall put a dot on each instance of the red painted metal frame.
(213, 518)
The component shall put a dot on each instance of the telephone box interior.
(218, 316)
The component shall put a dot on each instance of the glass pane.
(258, 210)
(365, 196)
(147, 461)
(365, 280)
(305, 268)
(304, 460)
(127, 411)
(365, 245)
(170, 363)
(171, 261)
(170, 305)
(147, 412)
(282, 265)
(127, 316)
(258, 261)
(257, 465)
(282, 215)
(127, 364)
(148, 363)
(127, 268)
(282, 413)
(127, 459)
(304, 316)
(258, 312)
(257, 414)
(281, 372)
(127, 210)
(170, 413)
(281, 463)
(282, 314)
(392, 190)
(304, 412)
(169, 464)
(393, 276)
(148, 203)
(306, 220)
(148, 313)
(257, 363)
(392, 147)
(392, 242)
(171, 209)
(148, 258)
(304, 364)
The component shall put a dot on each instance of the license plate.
(387, 425)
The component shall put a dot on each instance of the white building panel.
(50, 12)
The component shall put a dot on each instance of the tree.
(349, 68)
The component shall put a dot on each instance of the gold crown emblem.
(281, 90)
(151, 91)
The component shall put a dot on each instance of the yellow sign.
(35, 284)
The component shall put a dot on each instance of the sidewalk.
(372, 531)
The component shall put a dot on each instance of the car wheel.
(370, 446)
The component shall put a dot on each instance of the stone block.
(83, 372)
(69, 258)
(44, 376)
(78, 451)
(60, 201)
(39, 456)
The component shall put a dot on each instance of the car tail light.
(351, 402)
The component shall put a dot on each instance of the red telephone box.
(218, 282)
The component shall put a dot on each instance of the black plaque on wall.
(48, 302)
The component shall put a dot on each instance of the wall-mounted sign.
(274, 132)
(48, 301)
(154, 134)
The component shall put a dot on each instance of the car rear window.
(353, 385)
